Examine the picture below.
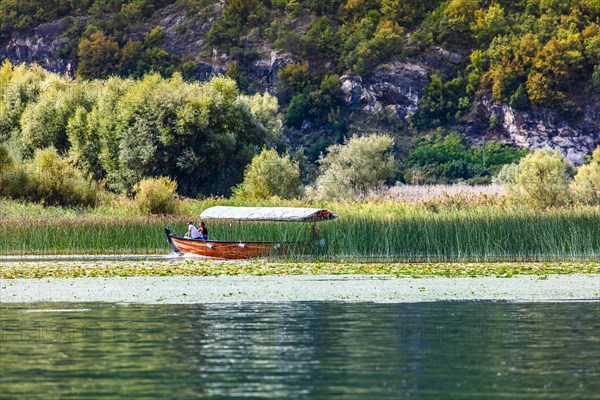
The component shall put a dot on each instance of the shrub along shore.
(387, 231)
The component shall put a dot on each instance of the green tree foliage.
(297, 111)
(361, 164)
(370, 44)
(56, 181)
(586, 185)
(543, 179)
(457, 22)
(43, 121)
(441, 103)
(447, 159)
(519, 100)
(6, 161)
(407, 12)
(323, 38)
(47, 178)
(156, 196)
(20, 14)
(98, 56)
(293, 79)
(310, 101)
(124, 130)
(489, 23)
(21, 85)
(269, 175)
(548, 48)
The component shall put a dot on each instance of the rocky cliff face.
(42, 45)
(545, 129)
(395, 88)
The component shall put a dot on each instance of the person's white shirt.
(194, 234)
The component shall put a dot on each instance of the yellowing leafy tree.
(269, 175)
(98, 56)
(554, 69)
(543, 179)
(586, 185)
(489, 23)
(359, 165)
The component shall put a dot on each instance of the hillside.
(522, 71)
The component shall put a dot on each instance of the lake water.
(301, 350)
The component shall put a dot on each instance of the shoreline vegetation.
(190, 268)
(454, 228)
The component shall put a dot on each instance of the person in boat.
(192, 232)
(203, 230)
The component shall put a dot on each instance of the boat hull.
(223, 249)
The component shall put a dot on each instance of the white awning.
(267, 214)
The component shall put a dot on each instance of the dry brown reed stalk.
(419, 194)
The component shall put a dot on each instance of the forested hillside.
(525, 72)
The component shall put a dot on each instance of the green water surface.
(301, 350)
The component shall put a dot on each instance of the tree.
(361, 164)
(586, 185)
(269, 175)
(554, 69)
(84, 140)
(489, 24)
(297, 111)
(6, 160)
(98, 56)
(441, 102)
(458, 18)
(293, 79)
(406, 12)
(543, 178)
(519, 100)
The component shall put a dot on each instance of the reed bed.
(388, 232)
(416, 194)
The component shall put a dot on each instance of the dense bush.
(586, 185)
(442, 103)
(156, 196)
(98, 56)
(269, 175)
(543, 179)
(123, 130)
(361, 164)
(47, 178)
(447, 159)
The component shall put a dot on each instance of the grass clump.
(154, 196)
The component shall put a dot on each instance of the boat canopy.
(267, 214)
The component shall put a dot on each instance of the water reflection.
(301, 350)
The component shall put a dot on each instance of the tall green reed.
(360, 233)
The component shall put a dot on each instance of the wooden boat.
(224, 249)
(245, 249)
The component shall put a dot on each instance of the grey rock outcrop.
(263, 72)
(545, 129)
(41, 45)
(397, 86)
(445, 55)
